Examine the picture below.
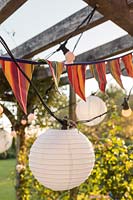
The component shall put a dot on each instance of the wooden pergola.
(120, 12)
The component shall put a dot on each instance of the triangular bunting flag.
(76, 75)
(56, 69)
(99, 72)
(115, 70)
(127, 60)
(17, 81)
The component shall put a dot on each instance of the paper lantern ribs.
(61, 159)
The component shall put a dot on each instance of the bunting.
(127, 60)
(17, 81)
(76, 75)
(99, 72)
(56, 69)
(115, 70)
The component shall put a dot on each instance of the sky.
(36, 16)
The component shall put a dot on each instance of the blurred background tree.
(112, 175)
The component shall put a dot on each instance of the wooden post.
(20, 144)
(72, 104)
(72, 116)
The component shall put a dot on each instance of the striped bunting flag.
(115, 70)
(127, 60)
(56, 69)
(76, 75)
(17, 81)
(99, 72)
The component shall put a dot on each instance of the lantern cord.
(88, 18)
(27, 78)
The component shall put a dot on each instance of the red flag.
(115, 70)
(76, 75)
(127, 60)
(99, 72)
(17, 81)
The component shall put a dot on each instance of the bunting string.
(44, 62)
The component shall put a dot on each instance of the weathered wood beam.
(109, 49)
(8, 7)
(57, 33)
(116, 10)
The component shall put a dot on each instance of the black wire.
(89, 120)
(64, 43)
(27, 78)
(49, 55)
(89, 19)
(77, 42)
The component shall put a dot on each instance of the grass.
(7, 179)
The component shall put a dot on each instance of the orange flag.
(76, 75)
(17, 81)
(127, 60)
(99, 72)
(115, 70)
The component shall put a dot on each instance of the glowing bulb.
(31, 117)
(23, 122)
(126, 113)
(1, 109)
(70, 57)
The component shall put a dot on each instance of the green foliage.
(113, 169)
(112, 176)
(7, 179)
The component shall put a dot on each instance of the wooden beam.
(116, 10)
(57, 33)
(8, 7)
(109, 49)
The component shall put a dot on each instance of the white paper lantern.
(61, 159)
(5, 140)
(93, 107)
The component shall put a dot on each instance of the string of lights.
(27, 78)
(43, 62)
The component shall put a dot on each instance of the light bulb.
(23, 122)
(31, 117)
(70, 57)
(126, 113)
